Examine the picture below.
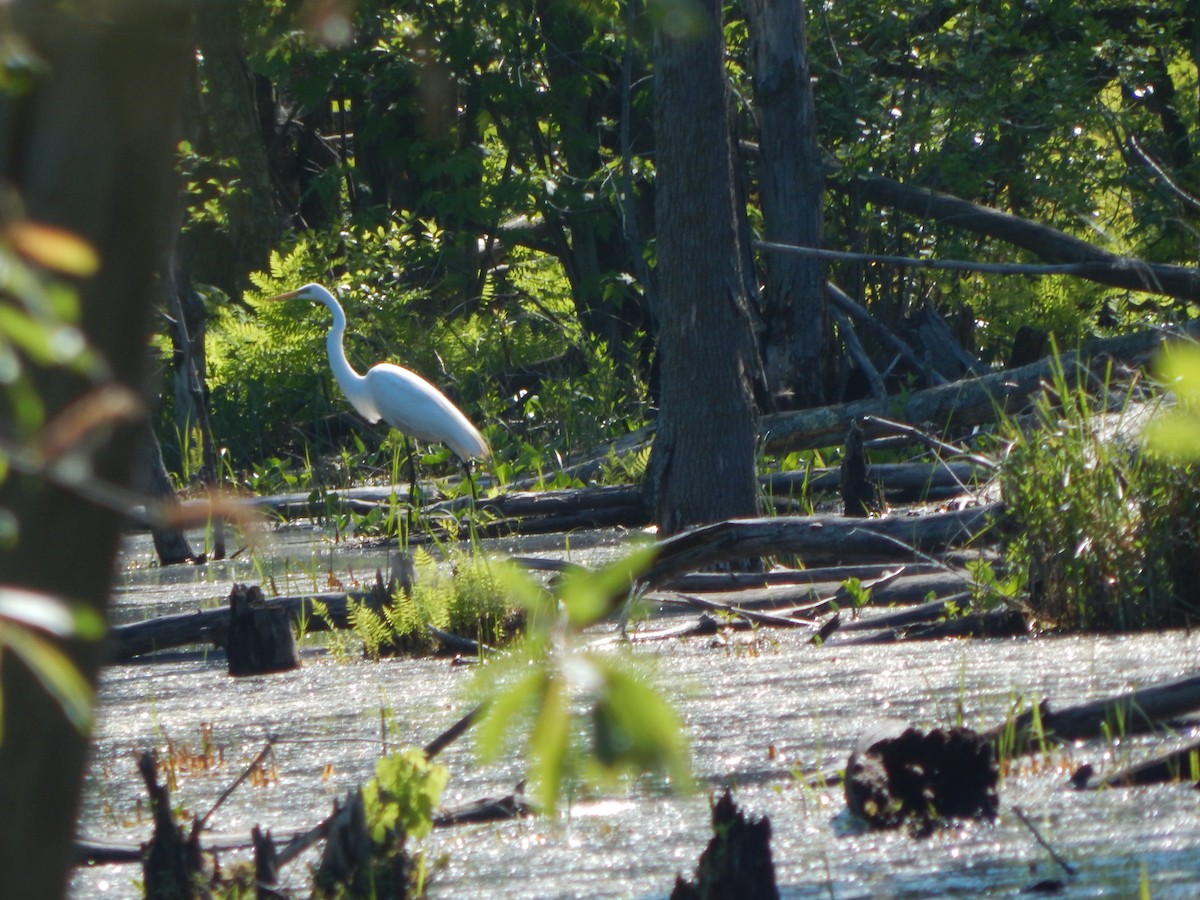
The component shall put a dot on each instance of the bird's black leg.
(414, 488)
(469, 470)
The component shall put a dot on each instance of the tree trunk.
(93, 155)
(702, 463)
(232, 132)
(791, 183)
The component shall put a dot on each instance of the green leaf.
(53, 248)
(505, 710)
(548, 742)
(37, 611)
(588, 595)
(635, 729)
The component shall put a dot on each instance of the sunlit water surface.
(758, 711)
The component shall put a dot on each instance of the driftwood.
(812, 599)
(816, 539)
(939, 346)
(997, 623)
(963, 404)
(1048, 243)
(843, 301)
(1177, 765)
(818, 576)
(618, 505)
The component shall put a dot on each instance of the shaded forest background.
(485, 182)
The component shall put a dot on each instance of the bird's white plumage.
(402, 399)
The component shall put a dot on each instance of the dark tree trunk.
(93, 155)
(150, 475)
(791, 182)
(702, 463)
(231, 130)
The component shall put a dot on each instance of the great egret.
(403, 399)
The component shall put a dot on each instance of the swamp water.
(761, 711)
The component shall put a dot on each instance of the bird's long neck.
(351, 383)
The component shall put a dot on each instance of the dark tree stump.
(266, 863)
(938, 345)
(898, 774)
(1029, 345)
(736, 864)
(346, 863)
(171, 862)
(354, 866)
(260, 638)
(170, 543)
(860, 495)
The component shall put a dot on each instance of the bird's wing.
(410, 404)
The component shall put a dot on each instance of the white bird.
(403, 399)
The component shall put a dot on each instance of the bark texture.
(790, 184)
(702, 462)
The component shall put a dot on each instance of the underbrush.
(1106, 530)
(468, 600)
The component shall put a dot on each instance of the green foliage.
(28, 621)
(403, 796)
(471, 600)
(1107, 535)
(578, 714)
(1176, 432)
(911, 93)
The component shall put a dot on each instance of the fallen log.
(962, 404)
(817, 597)
(996, 623)
(820, 540)
(715, 582)
(1129, 713)
(1177, 765)
(211, 626)
(611, 505)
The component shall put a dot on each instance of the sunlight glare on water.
(758, 710)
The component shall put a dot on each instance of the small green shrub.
(1106, 532)
(470, 602)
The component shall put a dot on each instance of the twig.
(931, 442)
(758, 618)
(955, 265)
(846, 304)
(455, 731)
(855, 348)
(199, 824)
(1054, 855)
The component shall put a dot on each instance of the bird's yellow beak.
(290, 295)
